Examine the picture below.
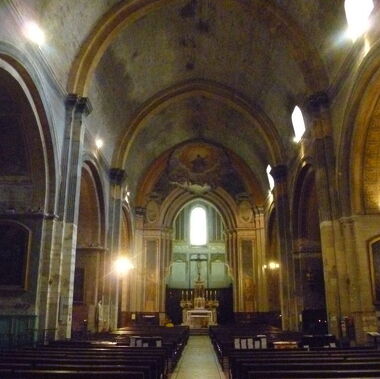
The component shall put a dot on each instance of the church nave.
(198, 361)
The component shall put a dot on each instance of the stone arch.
(374, 260)
(156, 169)
(209, 89)
(357, 180)
(123, 14)
(178, 198)
(18, 67)
(305, 206)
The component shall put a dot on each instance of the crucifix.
(198, 260)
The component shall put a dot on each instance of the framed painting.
(374, 259)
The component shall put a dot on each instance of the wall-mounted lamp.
(272, 266)
(99, 143)
(34, 33)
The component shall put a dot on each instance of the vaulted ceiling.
(168, 71)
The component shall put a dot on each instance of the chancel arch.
(198, 174)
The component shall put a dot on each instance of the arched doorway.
(199, 253)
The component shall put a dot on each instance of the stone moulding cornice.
(29, 215)
(92, 249)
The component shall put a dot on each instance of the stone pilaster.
(62, 263)
(334, 259)
(287, 282)
(137, 285)
(260, 245)
(113, 283)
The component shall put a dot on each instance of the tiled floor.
(198, 361)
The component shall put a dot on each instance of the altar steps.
(199, 332)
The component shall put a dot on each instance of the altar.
(199, 306)
(199, 318)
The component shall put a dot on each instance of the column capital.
(82, 104)
(71, 100)
(117, 175)
(317, 102)
(279, 173)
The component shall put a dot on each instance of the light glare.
(357, 15)
(270, 177)
(198, 227)
(122, 265)
(273, 265)
(99, 143)
(34, 33)
(298, 124)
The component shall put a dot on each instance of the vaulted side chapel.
(189, 162)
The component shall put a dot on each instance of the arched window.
(298, 124)
(198, 226)
(357, 15)
(270, 177)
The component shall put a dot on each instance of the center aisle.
(198, 361)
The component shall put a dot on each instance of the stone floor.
(198, 361)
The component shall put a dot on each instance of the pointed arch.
(227, 96)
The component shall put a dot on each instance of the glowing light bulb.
(34, 33)
(99, 143)
(122, 265)
(357, 15)
(273, 265)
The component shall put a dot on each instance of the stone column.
(62, 266)
(232, 254)
(113, 283)
(334, 259)
(165, 251)
(287, 282)
(262, 303)
(137, 283)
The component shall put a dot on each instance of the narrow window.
(298, 124)
(198, 227)
(270, 177)
(357, 15)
